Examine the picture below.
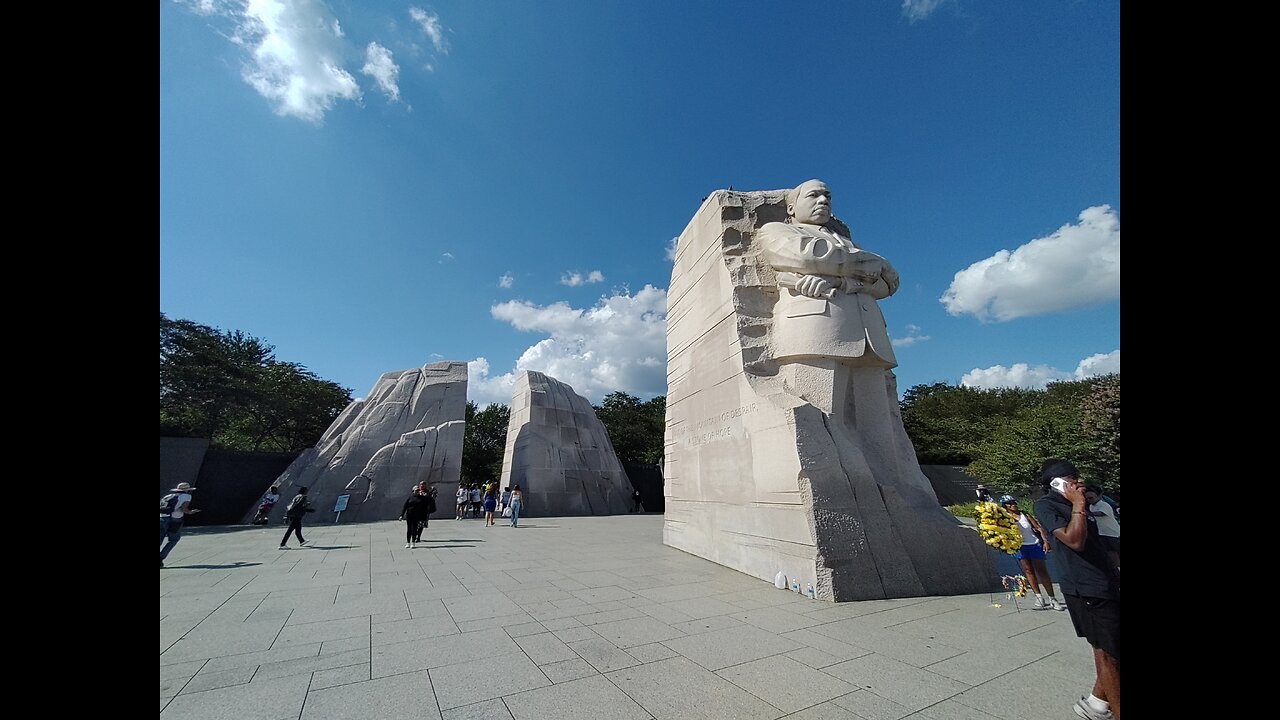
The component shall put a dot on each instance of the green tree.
(484, 442)
(636, 429)
(945, 422)
(227, 386)
(1100, 432)
(289, 410)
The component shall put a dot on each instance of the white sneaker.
(1085, 711)
(1039, 604)
(1058, 605)
(413, 546)
(408, 545)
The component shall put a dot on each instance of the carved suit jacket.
(847, 325)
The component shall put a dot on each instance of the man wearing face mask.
(1090, 582)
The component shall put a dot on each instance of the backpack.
(297, 506)
(169, 503)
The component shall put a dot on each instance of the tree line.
(229, 387)
(1002, 435)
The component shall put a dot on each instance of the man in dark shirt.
(1089, 581)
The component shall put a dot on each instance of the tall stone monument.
(785, 449)
(407, 430)
(559, 453)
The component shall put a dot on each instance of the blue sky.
(371, 186)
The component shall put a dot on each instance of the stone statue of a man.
(828, 287)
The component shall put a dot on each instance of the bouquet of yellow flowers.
(997, 528)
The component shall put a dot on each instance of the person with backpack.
(300, 505)
(174, 508)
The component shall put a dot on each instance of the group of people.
(417, 512)
(485, 498)
(1079, 524)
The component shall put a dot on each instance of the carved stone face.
(812, 204)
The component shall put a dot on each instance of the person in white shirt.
(461, 498)
(1105, 516)
(174, 507)
(1031, 556)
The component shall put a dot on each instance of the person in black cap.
(1089, 581)
(984, 495)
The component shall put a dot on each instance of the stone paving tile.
(574, 634)
(402, 696)
(825, 711)
(722, 649)
(868, 705)
(307, 666)
(487, 710)
(603, 655)
(465, 683)
(1009, 697)
(544, 648)
(215, 680)
(389, 633)
(254, 659)
(252, 701)
(920, 653)
(329, 647)
(784, 683)
(605, 589)
(817, 640)
(334, 677)
(775, 620)
(677, 688)
(528, 628)
(321, 631)
(592, 698)
(636, 631)
(441, 651)
(567, 670)
(651, 652)
(710, 624)
(909, 686)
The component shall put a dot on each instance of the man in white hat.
(173, 508)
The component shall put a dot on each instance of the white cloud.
(1100, 364)
(430, 24)
(912, 337)
(671, 248)
(382, 68)
(1024, 376)
(1075, 266)
(445, 256)
(507, 280)
(619, 344)
(920, 9)
(574, 279)
(295, 53)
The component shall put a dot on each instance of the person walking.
(174, 508)
(300, 505)
(1089, 581)
(636, 506)
(461, 498)
(1031, 556)
(413, 513)
(517, 501)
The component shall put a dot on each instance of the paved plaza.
(584, 617)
